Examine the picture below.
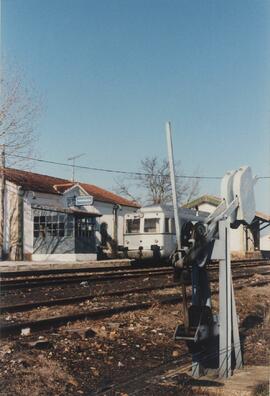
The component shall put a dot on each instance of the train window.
(132, 226)
(166, 228)
(151, 225)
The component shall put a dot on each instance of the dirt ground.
(127, 354)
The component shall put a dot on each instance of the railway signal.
(212, 339)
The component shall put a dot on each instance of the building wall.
(265, 242)
(50, 200)
(10, 234)
(206, 207)
(30, 199)
(106, 209)
(237, 239)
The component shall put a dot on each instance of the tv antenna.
(73, 164)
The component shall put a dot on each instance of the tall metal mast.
(173, 183)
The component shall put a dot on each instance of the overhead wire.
(117, 171)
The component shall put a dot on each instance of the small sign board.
(84, 200)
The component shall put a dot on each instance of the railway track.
(56, 321)
(78, 299)
(70, 271)
(34, 282)
(105, 277)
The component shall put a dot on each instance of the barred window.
(84, 227)
(53, 225)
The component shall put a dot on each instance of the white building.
(265, 245)
(245, 240)
(48, 218)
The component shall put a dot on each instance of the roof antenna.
(73, 164)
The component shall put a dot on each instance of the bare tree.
(19, 108)
(152, 181)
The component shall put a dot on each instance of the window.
(151, 225)
(166, 227)
(132, 226)
(39, 226)
(69, 226)
(53, 225)
(85, 227)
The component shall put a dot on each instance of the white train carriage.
(150, 232)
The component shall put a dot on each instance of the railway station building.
(246, 239)
(49, 218)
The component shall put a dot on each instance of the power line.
(108, 170)
(118, 171)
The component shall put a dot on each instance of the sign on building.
(84, 200)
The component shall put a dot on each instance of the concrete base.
(24, 266)
(63, 258)
(244, 382)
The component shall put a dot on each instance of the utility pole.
(73, 164)
(2, 198)
(177, 259)
(173, 183)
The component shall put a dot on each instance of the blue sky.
(111, 72)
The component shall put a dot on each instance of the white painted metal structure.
(238, 194)
(237, 206)
(173, 183)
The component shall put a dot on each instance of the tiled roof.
(98, 193)
(30, 181)
(106, 196)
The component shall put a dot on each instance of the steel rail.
(77, 299)
(56, 321)
(56, 281)
(78, 274)
(131, 268)
(62, 271)
(26, 284)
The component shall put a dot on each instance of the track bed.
(124, 353)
